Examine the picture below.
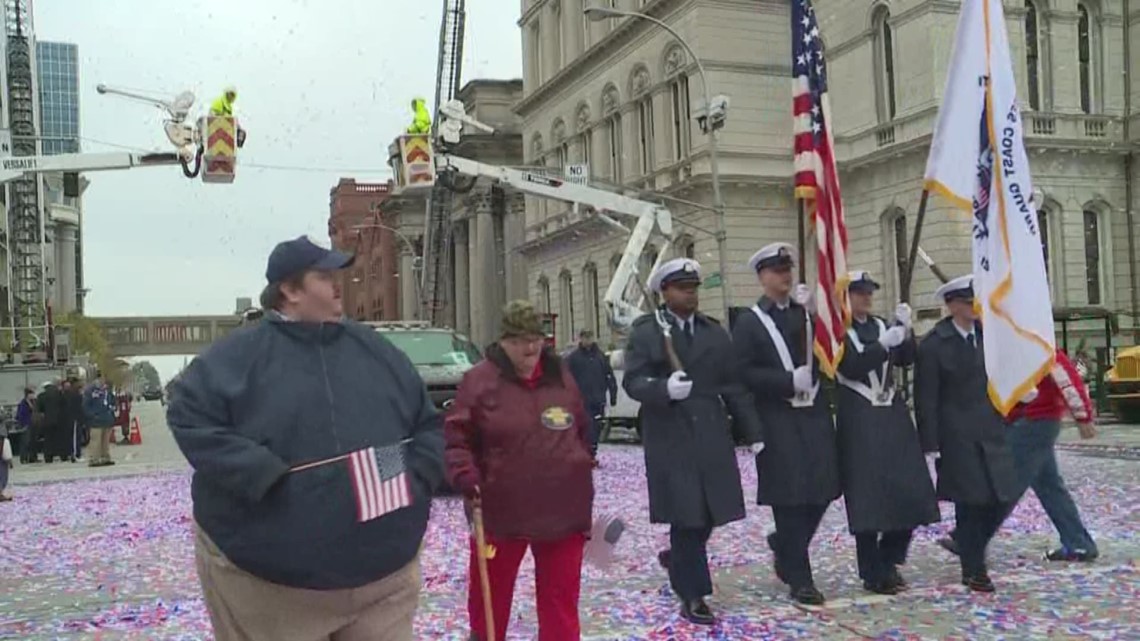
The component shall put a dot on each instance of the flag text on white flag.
(978, 162)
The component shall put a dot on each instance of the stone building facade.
(620, 96)
(486, 269)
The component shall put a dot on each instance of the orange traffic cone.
(135, 436)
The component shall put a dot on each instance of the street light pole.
(409, 247)
(602, 13)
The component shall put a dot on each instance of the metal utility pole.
(25, 223)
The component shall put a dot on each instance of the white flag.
(978, 152)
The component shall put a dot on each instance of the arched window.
(679, 110)
(556, 33)
(611, 107)
(593, 296)
(1032, 56)
(585, 135)
(562, 151)
(689, 248)
(639, 88)
(566, 307)
(1088, 44)
(884, 65)
(1093, 241)
(543, 295)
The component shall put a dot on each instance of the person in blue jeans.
(1032, 430)
(591, 370)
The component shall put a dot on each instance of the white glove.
(801, 379)
(801, 295)
(1030, 396)
(893, 337)
(757, 447)
(903, 315)
(679, 389)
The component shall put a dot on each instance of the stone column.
(65, 239)
(573, 32)
(409, 305)
(462, 282)
(389, 286)
(484, 307)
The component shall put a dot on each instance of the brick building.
(370, 288)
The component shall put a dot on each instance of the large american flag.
(817, 183)
(379, 481)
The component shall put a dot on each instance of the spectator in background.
(50, 404)
(99, 414)
(123, 416)
(1032, 428)
(595, 378)
(5, 462)
(74, 418)
(25, 411)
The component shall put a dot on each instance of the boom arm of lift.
(16, 166)
(625, 294)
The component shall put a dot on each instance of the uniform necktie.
(972, 341)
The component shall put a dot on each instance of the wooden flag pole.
(908, 275)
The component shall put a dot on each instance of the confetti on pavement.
(113, 559)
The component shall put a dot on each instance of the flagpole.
(908, 275)
(809, 340)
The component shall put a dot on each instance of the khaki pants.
(99, 449)
(245, 608)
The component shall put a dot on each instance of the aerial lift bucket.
(221, 149)
(412, 163)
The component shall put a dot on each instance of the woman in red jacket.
(517, 437)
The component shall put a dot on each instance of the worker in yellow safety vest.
(421, 122)
(224, 106)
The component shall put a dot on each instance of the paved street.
(106, 554)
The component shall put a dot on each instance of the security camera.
(714, 116)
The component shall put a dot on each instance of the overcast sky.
(322, 84)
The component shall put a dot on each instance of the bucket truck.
(419, 163)
(209, 140)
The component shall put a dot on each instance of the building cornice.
(627, 34)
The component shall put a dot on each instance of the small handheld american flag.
(379, 481)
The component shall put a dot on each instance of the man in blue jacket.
(283, 553)
(592, 372)
(99, 412)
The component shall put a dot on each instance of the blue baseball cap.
(292, 257)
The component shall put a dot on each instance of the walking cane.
(481, 558)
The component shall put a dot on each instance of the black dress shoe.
(697, 612)
(807, 595)
(880, 587)
(897, 580)
(979, 583)
(664, 559)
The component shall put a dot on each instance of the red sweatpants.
(557, 578)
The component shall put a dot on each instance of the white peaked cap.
(774, 250)
(953, 285)
(675, 266)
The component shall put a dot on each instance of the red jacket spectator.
(525, 444)
(1062, 391)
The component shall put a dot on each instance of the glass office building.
(58, 68)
